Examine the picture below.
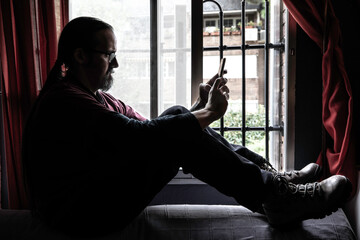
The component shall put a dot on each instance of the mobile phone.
(221, 67)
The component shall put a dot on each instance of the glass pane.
(175, 53)
(255, 141)
(276, 149)
(131, 23)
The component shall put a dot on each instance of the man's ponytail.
(55, 75)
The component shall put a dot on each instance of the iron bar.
(266, 82)
(220, 48)
(243, 90)
(270, 129)
(277, 46)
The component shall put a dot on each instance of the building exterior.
(232, 32)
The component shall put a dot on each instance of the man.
(92, 163)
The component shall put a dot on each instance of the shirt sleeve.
(174, 129)
(132, 113)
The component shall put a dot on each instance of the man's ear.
(80, 56)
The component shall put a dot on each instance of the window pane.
(131, 22)
(175, 53)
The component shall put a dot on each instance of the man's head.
(87, 47)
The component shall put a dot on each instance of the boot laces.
(308, 189)
(291, 173)
(266, 165)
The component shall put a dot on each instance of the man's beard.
(107, 83)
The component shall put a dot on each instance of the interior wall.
(348, 15)
(308, 88)
(349, 19)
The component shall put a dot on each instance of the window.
(210, 23)
(156, 71)
(228, 22)
(255, 64)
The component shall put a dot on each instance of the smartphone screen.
(221, 67)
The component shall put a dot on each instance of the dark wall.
(308, 89)
(347, 11)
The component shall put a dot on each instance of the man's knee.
(175, 110)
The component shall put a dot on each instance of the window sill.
(183, 179)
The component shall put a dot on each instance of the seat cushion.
(188, 222)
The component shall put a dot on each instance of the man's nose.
(114, 63)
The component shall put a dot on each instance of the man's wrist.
(205, 117)
(197, 105)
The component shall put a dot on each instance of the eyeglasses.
(111, 55)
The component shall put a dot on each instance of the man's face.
(100, 69)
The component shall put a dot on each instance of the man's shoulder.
(68, 89)
(66, 94)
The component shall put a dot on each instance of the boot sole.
(281, 217)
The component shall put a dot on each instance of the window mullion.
(154, 63)
(196, 48)
(266, 82)
(243, 84)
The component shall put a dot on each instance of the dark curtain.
(28, 41)
(318, 20)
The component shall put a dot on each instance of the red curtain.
(337, 101)
(28, 43)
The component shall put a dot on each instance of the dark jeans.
(232, 169)
(110, 200)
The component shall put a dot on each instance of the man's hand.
(218, 98)
(204, 89)
(216, 105)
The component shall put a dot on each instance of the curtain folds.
(28, 44)
(337, 100)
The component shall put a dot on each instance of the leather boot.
(310, 173)
(290, 203)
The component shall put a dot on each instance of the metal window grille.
(244, 47)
